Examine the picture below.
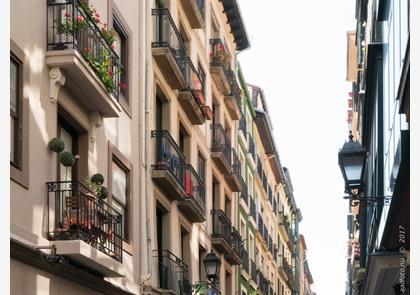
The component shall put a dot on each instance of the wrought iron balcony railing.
(265, 234)
(71, 25)
(194, 83)
(222, 226)
(236, 164)
(169, 156)
(194, 187)
(235, 90)
(259, 168)
(79, 215)
(260, 224)
(244, 191)
(262, 283)
(254, 275)
(220, 142)
(251, 146)
(245, 259)
(270, 194)
(236, 241)
(242, 125)
(252, 209)
(173, 272)
(201, 6)
(168, 36)
(219, 56)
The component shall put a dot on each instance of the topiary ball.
(67, 159)
(97, 178)
(102, 193)
(56, 144)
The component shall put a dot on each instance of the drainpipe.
(145, 141)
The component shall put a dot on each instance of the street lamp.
(352, 161)
(212, 266)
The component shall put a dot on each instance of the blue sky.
(298, 56)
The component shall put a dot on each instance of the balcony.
(219, 66)
(252, 209)
(192, 98)
(172, 273)
(221, 150)
(254, 275)
(168, 49)
(194, 10)
(234, 256)
(291, 280)
(262, 283)
(262, 121)
(244, 200)
(234, 178)
(76, 45)
(242, 125)
(194, 204)
(84, 228)
(169, 169)
(233, 99)
(251, 146)
(244, 260)
(221, 236)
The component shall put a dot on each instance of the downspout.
(147, 134)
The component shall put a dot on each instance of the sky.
(298, 56)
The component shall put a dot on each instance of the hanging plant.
(97, 178)
(102, 192)
(66, 159)
(56, 144)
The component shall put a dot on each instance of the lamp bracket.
(368, 200)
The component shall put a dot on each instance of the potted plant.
(56, 144)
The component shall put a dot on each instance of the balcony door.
(70, 138)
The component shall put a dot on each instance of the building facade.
(137, 148)
(379, 118)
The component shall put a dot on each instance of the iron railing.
(222, 227)
(220, 142)
(194, 187)
(173, 272)
(251, 146)
(244, 190)
(236, 164)
(265, 234)
(219, 56)
(168, 36)
(169, 156)
(235, 90)
(270, 244)
(194, 83)
(242, 125)
(236, 241)
(78, 215)
(254, 271)
(264, 181)
(262, 283)
(71, 25)
(252, 209)
(259, 168)
(245, 259)
(260, 224)
(270, 194)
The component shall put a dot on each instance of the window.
(15, 112)
(19, 125)
(120, 188)
(201, 167)
(121, 49)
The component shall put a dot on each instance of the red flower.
(97, 15)
(80, 18)
(113, 46)
(211, 54)
(87, 49)
(122, 85)
(67, 15)
(110, 73)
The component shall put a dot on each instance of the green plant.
(102, 192)
(102, 65)
(67, 159)
(67, 25)
(56, 144)
(97, 178)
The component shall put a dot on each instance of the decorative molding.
(95, 120)
(57, 79)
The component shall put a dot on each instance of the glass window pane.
(12, 139)
(119, 183)
(14, 72)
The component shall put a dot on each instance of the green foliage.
(97, 178)
(66, 159)
(56, 144)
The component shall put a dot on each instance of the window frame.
(115, 156)
(20, 173)
(117, 22)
